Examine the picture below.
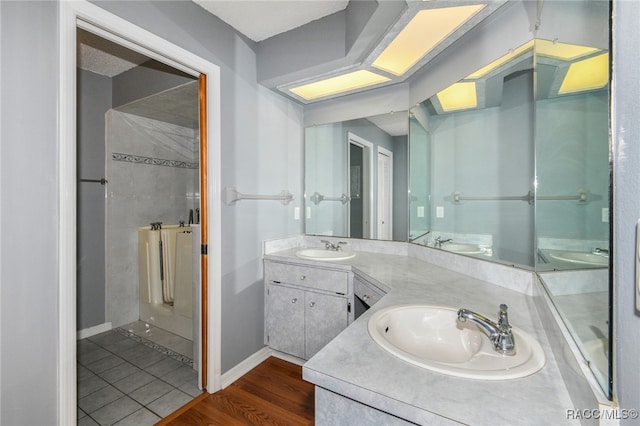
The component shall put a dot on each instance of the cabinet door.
(326, 316)
(285, 319)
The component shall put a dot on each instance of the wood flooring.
(273, 393)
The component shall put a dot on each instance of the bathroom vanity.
(354, 376)
(306, 306)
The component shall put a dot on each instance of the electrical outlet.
(296, 213)
(420, 211)
(308, 212)
(605, 214)
(439, 212)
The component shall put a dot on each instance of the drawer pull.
(294, 300)
(302, 277)
(312, 304)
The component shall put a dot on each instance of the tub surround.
(355, 367)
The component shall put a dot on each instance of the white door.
(385, 194)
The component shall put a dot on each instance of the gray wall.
(28, 213)
(94, 100)
(626, 202)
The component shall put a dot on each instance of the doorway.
(90, 17)
(360, 188)
(147, 189)
(385, 194)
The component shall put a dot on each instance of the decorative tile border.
(130, 158)
(148, 343)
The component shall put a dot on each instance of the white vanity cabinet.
(306, 307)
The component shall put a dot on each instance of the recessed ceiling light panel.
(426, 30)
(458, 96)
(338, 84)
(588, 74)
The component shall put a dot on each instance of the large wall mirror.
(356, 178)
(510, 165)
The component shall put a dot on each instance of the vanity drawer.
(366, 292)
(317, 278)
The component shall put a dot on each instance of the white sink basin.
(431, 337)
(463, 248)
(322, 254)
(581, 258)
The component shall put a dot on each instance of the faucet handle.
(503, 318)
(340, 244)
(326, 243)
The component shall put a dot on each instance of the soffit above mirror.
(368, 45)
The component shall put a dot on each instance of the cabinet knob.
(302, 277)
(294, 300)
(312, 304)
(366, 297)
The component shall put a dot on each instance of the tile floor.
(126, 379)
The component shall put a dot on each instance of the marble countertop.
(354, 366)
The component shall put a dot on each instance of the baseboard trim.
(92, 331)
(289, 358)
(245, 366)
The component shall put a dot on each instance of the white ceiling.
(261, 19)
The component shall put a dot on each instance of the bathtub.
(166, 278)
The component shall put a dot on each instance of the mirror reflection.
(472, 144)
(355, 178)
(572, 155)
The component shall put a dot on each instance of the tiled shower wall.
(152, 173)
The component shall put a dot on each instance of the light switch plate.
(439, 211)
(605, 215)
(420, 211)
(296, 213)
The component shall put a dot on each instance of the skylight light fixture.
(427, 29)
(338, 84)
(458, 96)
(588, 74)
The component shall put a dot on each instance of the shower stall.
(152, 157)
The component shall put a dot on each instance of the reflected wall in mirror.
(356, 178)
(572, 153)
(476, 156)
(572, 170)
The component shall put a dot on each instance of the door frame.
(380, 206)
(83, 14)
(368, 161)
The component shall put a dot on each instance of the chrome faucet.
(500, 334)
(330, 246)
(439, 242)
